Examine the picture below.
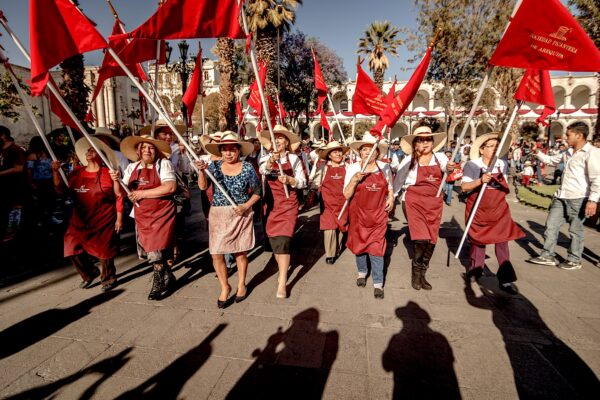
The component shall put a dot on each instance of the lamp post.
(182, 68)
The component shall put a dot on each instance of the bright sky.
(338, 24)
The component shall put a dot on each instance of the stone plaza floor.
(329, 339)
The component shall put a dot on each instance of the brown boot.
(429, 247)
(419, 249)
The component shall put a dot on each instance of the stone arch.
(399, 130)
(316, 133)
(557, 130)
(483, 128)
(340, 101)
(250, 129)
(560, 94)
(580, 96)
(421, 100)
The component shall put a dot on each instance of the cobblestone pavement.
(329, 339)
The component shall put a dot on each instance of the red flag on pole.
(58, 109)
(132, 51)
(322, 90)
(195, 88)
(57, 30)
(391, 94)
(544, 35)
(367, 98)
(536, 87)
(281, 110)
(394, 110)
(238, 112)
(187, 19)
(254, 98)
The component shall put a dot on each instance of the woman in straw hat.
(152, 182)
(419, 177)
(329, 179)
(163, 132)
(280, 211)
(371, 198)
(231, 230)
(97, 214)
(492, 223)
(108, 138)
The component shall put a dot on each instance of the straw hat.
(423, 131)
(130, 143)
(103, 131)
(333, 145)
(265, 137)
(370, 139)
(474, 152)
(317, 144)
(527, 162)
(210, 137)
(229, 137)
(82, 146)
(160, 124)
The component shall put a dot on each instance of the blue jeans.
(562, 211)
(376, 268)
(448, 188)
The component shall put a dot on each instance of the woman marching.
(419, 177)
(152, 182)
(330, 181)
(492, 223)
(371, 198)
(281, 212)
(231, 230)
(97, 214)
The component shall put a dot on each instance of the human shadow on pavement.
(420, 358)
(106, 368)
(451, 231)
(167, 384)
(543, 365)
(37, 327)
(295, 364)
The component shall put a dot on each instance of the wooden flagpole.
(337, 121)
(489, 170)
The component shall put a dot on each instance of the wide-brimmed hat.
(210, 137)
(83, 145)
(439, 139)
(104, 132)
(229, 137)
(160, 124)
(130, 143)
(317, 144)
(527, 162)
(474, 152)
(323, 152)
(265, 137)
(370, 139)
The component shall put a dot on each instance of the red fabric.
(110, 68)
(544, 35)
(367, 98)
(187, 19)
(332, 194)
(195, 88)
(394, 110)
(138, 50)
(391, 94)
(536, 87)
(58, 109)
(239, 113)
(281, 212)
(281, 110)
(423, 208)
(254, 98)
(57, 30)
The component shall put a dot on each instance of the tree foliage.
(10, 100)
(378, 39)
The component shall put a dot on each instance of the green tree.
(378, 39)
(225, 50)
(267, 20)
(10, 99)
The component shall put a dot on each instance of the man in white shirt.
(576, 199)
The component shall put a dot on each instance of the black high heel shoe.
(223, 303)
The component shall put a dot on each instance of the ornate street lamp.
(182, 68)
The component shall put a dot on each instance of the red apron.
(332, 196)
(281, 212)
(423, 208)
(154, 218)
(368, 219)
(92, 225)
(492, 223)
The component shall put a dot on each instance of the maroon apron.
(92, 225)
(154, 218)
(423, 208)
(492, 223)
(368, 219)
(332, 195)
(281, 212)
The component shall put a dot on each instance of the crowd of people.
(147, 177)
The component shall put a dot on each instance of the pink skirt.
(229, 232)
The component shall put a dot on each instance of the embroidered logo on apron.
(82, 189)
(373, 188)
(336, 176)
(431, 178)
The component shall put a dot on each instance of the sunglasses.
(424, 139)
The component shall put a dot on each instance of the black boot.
(419, 249)
(506, 273)
(157, 285)
(168, 280)
(429, 247)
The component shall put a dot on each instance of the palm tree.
(73, 87)
(266, 20)
(378, 39)
(226, 67)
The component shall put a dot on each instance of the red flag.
(57, 30)
(322, 90)
(544, 35)
(58, 109)
(281, 110)
(137, 50)
(394, 110)
(536, 87)
(110, 68)
(195, 88)
(238, 112)
(367, 98)
(187, 19)
(143, 107)
(324, 123)
(254, 98)
(391, 94)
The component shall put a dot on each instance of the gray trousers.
(571, 211)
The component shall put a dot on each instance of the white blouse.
(406, 177)
(296, 165)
